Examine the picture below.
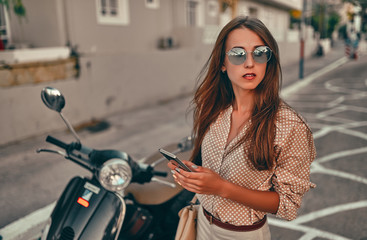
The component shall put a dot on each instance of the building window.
(153, 4)
(253, 12)
(113, 12)
(213, 8)
(191, 13)
(194, 16)
(4, 27)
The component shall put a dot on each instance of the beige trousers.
(206, 231)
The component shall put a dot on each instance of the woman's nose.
(249, 62)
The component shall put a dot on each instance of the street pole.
(302, 41)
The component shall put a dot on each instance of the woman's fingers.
(188, 180)
(191, 165)
(172, 164)
(203, 181)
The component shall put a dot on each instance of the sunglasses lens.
(237, 56)
(261, 54)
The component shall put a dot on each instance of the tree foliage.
(363, 5)
(324, 21)
(16, 5)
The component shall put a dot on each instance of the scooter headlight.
(115, 175)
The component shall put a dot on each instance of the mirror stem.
(70, 127)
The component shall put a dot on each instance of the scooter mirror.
(53, 99)
(186, 144)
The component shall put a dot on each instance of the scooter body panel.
(86, 211)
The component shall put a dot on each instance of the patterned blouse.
(295, 151)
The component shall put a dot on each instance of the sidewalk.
(311, 64)
(146, 128)
(314, 63)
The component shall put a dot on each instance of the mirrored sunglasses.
(237, 55)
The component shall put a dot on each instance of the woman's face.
(247, 76)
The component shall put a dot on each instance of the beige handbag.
(186, 229)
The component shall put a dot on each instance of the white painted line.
(336, 102)
(308, 236)
(356, 108)
(317, 168)
(326, 130)
(338, 120)
(24, 228)
(305, 229)
(337, 89)
(341, 154)
(331, 111)
(304, 82)
(329, 211)
(353, 133)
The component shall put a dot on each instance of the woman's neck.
(244, 103)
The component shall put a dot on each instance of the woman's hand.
(201, 180)
(205, 181)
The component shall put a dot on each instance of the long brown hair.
(214, 94)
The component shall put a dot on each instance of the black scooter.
(122, 199)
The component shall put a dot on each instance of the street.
(335, 107)
(333, 104)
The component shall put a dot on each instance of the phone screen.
(170, 156)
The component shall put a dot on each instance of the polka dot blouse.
(295, 151)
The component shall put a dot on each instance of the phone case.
(171, 156)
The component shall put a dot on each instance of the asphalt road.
(334, 105)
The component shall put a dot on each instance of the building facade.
(124, 54)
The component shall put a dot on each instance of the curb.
(28, 227)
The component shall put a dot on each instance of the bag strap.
(194, 199)
(193, 202)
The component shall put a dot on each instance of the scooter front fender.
(84, 211)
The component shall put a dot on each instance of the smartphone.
(170, 156)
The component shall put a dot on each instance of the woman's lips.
(249, 76)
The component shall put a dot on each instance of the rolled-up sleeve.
(291, 179)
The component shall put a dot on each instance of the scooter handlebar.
(160, 174)
(77, 146)
(56, 142)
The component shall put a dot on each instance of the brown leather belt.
(244, 228)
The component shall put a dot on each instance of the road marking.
(305, 229)
(328, 85)
(341, 127)
(306, 81)
(341, 154)
(356, 108)
(308, 236)
(345, 127)
(329, 211)
(317, 168)
(336, 102)
(353, 133)
(337, 120)
(331, 111)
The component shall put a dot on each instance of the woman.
(255, 151)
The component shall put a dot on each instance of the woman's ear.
(223, 69)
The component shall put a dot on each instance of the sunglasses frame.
(244, 56)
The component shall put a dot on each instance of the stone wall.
(38, 72)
